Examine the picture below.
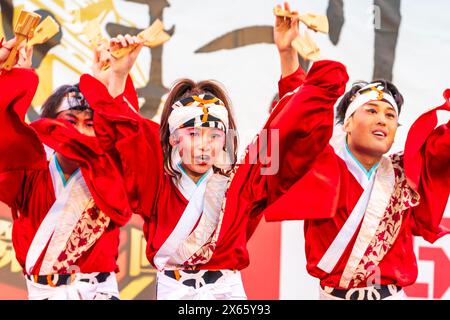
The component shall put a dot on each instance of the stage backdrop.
(231, 41)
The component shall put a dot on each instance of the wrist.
(287, 52)
(118, 74)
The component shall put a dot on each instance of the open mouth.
(379, 133)
(202, 160)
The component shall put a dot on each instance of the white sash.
(60, 221)
(75, 290)
(195, 194)
(370, 206)
(228, 287)
(376, 208)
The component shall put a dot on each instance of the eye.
(72, 121)
(390, 115)
(194, 134)
(372, 111)
(90, 125)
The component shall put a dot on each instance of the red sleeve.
(11, 186)
(427, 168)
(99, 171)
(291, 82)
(132, 141)
(20, 147)
(305, 125)
(297, 132)
(130, 94)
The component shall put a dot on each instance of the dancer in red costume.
(67, 203)
(361, 207)
(199, 208)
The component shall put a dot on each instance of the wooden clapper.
(305, 45)
(23, 30)
(46, 30)
(29, 29)
(153, 36)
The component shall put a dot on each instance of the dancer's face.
(371, 129)
(199, 148)
(81, 120)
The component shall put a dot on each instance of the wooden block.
(93, 33)
(23, 30)
(284, 13)
(313, 21)
(306, 47)
(154, 36)
(47, 29)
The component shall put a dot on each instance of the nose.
(89, 131)
(205, 143)
(381, 119)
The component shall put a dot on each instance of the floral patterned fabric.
(402, 199)
(93, 222)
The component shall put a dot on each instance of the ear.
(348, 126)
(173, 140)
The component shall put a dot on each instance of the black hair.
(356, 86)
(50, 106)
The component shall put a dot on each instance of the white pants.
(228, 287)
(76, 290)
(400, 295)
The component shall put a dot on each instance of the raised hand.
(25, 57)
(5, 49)
(284, 32)
(102, 57)
(123, 65)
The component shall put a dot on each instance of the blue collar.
(61, 173)
(367, 173)
(199, 180)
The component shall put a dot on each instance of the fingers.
(286, 22)
(25, 57)
(97, 54)
(8, 45)
(286, 6)
(123, 41)
(29, 53)
(278, 20)
(295, 22)
(101, 55)
(6, 48)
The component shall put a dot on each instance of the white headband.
(375, 94)
(69, 103)
(197, 108)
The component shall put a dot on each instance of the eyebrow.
(70, 115)
(376, 105)
(75, 117)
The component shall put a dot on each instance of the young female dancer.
(199, 208)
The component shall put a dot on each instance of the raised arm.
(131, 140)
(304, 120)
(298, 133)
(20, 148)
(427, 168)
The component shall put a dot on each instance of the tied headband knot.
(371, 92)
(380, 92)
(73, 100)
(203, 110)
